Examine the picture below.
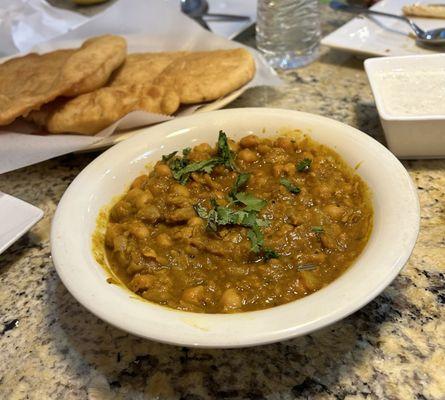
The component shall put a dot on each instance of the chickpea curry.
(239, 226)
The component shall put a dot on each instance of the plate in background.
(382, 36)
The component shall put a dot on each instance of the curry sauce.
(239, 226)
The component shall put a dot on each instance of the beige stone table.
(394, 348)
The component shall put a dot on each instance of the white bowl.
(396, 223)
(408, 136)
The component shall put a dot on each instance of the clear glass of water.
(288, 32)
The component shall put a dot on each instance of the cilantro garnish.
(290, 186)
(246, 217)
(182, 167)
(304, 165)
(256, 238)
(182, 174)
(317, 229)
(269, 253)
(224, 152)
(168, 157)
(240, 182)
(251, 202)
(201, 211)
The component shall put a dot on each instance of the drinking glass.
(288, 32)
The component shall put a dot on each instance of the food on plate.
(238, 226)
(89, 113)
(143, 68)
(424, 10)
(87, 89)
(28, 82)
(104, 55)
(203, 76)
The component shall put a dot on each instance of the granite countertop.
(394, 348)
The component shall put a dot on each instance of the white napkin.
(26, 23)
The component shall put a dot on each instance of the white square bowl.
(414, 136)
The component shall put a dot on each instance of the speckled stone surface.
(394, 348)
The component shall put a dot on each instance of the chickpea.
(289, 169)
(164, 240)
(195, 221)
(234, 146)
(141, 282)
(139, 230)
(277, 170)
(285, 143)
(181, 214)
(334, 211)
(310, 280)
(120, 243)
(121, 210)
(247, 156)
(249, 141)
(193, 295)
(203, 148)
(328, 241)
(138, 197)
(134, 268)
(263, 149)
(191, 250)
(139, 182)
(295, 218)
(317, 258)
(179, 190)
(162, 170)
(220, 170)
(149, 213)
(149, 253)
(230, 300)
(323, 191)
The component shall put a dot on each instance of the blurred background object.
(288, 32)
(88, 2)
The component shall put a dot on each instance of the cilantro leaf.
(182, 173)
(240, 182)
(269, 253)
(224, 151)
(317, 229)
(290, 186)
(304, 165)
(166, 158)
(201, 211)
(256, 238)
(251, 202)
(182, 167)
(221, 216)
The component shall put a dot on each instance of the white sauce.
(413, 92)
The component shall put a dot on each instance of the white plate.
(380, 36)
(17, 217)
(396, 224)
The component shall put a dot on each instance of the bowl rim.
(61, 243)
